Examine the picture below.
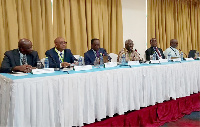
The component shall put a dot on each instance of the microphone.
(137, 51)
(183, 52)
(55, 69)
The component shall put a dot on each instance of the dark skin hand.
(24, 68)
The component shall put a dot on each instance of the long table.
(61, 99)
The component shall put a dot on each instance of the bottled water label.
(46, 63)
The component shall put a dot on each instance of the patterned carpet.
(192, 120)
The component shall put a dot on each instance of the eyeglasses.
(63, 42)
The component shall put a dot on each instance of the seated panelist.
(172, 49)
(95, 51)
(59, 56)
(154, 49)
(131, 55)
(23, 59)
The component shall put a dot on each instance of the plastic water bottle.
(154, 56)
(181, 56)
(169, 57)
(101, 59)
(80, 61)
(46, 63)
(123, 59)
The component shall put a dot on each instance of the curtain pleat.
(172, 19)
(31, 19)
(78, 21)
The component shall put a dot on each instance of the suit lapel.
(55, 56)
(16, 57)
(92, 56)
(29, 59)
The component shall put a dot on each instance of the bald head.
(60, 43)
(173, 43)
(25, 46)
(129, 45)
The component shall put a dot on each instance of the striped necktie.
(61, 57)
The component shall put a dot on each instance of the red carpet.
(156, 115)
(192, 120)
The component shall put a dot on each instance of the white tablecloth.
(74, 99)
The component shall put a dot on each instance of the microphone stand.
(183, 52)
(55, 69)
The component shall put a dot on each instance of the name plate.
(177, 60)
(42, 71)
(133, 63)
(187, 59)
(83, 68)
(110, 64)
(155, 61)
(163, 60)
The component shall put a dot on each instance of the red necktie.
(158, 52)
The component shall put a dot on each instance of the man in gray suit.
(23, 59)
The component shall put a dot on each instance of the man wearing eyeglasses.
(23, 59)
(59, 56)
(154, 49)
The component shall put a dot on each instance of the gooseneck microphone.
(55, 69)
(183, 52)
(137, 51)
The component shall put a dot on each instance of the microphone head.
(136, 50)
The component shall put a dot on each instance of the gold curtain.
(174, 19)
(78, 21)
(30, 19)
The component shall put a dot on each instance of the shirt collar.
(172, 48)
(59, 51)
(21, 55)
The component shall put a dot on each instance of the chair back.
(192, 53)
(114, 57)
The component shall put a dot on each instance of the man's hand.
(65, 64)
(23, 68)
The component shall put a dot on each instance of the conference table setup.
(78, 97)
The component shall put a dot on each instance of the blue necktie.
(60, 58)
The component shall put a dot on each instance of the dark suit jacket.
(12, 59)
(89, 56)
(54, 58)
(150, 51)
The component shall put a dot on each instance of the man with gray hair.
(131, 55)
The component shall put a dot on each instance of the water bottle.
(181, 56)
(46, 63)
(123, 59)
(169, 57)
(80, 61)
(101, 59)
(154, 56)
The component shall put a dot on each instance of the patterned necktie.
(158, 52)
(61, 57)
(23, 60)
(97, 54)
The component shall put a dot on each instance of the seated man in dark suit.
(59, 56)
(154, 49)
(23, 59)
(90, 56)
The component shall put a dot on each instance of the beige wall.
(134, 23)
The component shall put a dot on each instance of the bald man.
(59, 56)
(172, 49)
(23, 59)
